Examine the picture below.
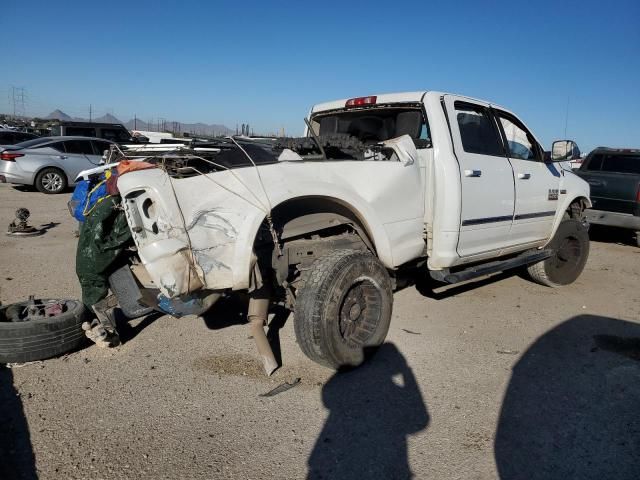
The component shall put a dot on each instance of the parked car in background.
(50, 164)
(614, 176)
(114, 132)
(11, 137)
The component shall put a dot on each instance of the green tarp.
(103, 236)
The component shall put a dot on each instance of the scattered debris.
(508, 352)
(19, 227)
(23, 364)
(411, 332)
(281, 388)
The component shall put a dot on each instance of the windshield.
(372, 125)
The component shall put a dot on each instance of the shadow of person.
(372, 410)
(16, 455)
(572, 407)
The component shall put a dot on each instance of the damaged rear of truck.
(324, 224)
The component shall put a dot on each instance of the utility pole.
(90, 113)
(135, 122)
(17, 99)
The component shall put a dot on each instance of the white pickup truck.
(419, 183)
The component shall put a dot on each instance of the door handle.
(62, 157)
(595, 183)
(524, 176)
(472, 173)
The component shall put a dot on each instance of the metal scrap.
(281, 388)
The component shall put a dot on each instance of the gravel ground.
(500, 379)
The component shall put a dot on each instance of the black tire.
(570, 245)
(343, 308)
(51, 180)
(126, 290)
(31, 340)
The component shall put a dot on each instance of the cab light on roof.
(356, 102)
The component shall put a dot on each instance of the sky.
(266, 63)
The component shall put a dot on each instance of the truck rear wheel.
(570, 247)
(343, 308)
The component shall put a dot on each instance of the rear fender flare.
(360, 210)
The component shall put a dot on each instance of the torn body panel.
(199, 232)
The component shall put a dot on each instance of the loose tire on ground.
(343, 308)
(31, 340)
(570, 245)
(51, 180)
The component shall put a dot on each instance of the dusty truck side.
(381, 188)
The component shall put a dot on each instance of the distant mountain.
(172, 126)
(108, 118)
(58, 115)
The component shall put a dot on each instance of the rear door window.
(477, 130)
(59, 146)
(82, 147)
(621, 163)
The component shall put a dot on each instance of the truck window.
(115, 134)
(376, 124)
(595, 163)
(621, 163)
(519, 141)
(80, 131)
(477, 131)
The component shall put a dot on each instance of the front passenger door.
(537, 183)
(80, 156)
(486, 177)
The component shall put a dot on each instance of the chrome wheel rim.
(52, 182)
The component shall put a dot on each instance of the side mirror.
(564, 150)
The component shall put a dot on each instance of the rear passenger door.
(537, 183)
(486, 176)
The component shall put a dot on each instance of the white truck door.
(486, 177)
(537, 183)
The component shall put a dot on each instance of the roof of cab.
(400, 97)
(403, 97)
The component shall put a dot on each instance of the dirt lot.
(505, 379)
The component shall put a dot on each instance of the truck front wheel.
(343, 308)
(570, 247)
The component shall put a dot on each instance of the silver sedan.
(50, 164)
